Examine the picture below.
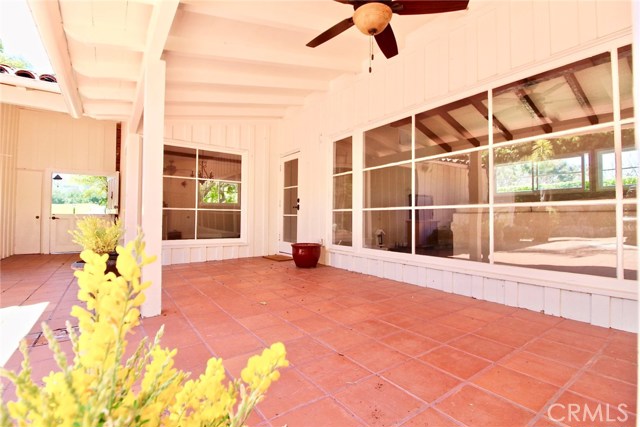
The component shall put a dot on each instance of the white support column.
(131, 171)
(152, 155)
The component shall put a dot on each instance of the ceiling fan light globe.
(372, 18)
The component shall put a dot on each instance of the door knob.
(54, 217)
(37, 216)
(297, 205)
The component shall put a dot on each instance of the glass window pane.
(567, 168)
(342, 156)
(218, 195)
(388, 144)
(290, 229)
(387, 187)
(575, 95)
(453, 180)
(630, 248)
(291, 173)
(342, 228)
(457, 126)
(178, 225)
(453, 233)
(625, 71)
(575, 239)
(630, 160)
(342, 186)
(220, 166)
(218, 225)
(290, 201)
(73, 194)
(387, 230)
(179, 193)
(179, 161)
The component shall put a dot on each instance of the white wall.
(255, 140)
(36, 140)
(462, 54)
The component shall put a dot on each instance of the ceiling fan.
(372, 17)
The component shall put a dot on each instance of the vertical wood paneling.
(564, 27)
(8, 162)
(462, 284)
(511, 293)
(588, 20)
(200, 133)
(393, 85)
(575, 305)
(522, 29)
(530, 297)
(447, 281)
(541, 33)
(477, 287)
(361, 92)
(552, 301)
(487, 45)
(471, 53)
(376, 91)
(413, 80)
(601, 310)
(457, 59)
(436, 76)
(613, 16)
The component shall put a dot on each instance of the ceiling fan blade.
(331, 32)
(387, 42)
(422, 7)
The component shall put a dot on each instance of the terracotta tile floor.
(366, 351)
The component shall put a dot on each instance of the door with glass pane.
(290, 203)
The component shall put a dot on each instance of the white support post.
(152, 155)
(130, 183)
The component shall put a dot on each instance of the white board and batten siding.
(495, 43)
(252, 139)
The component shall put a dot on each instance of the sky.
(20, 37)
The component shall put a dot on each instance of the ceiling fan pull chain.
(370, 52)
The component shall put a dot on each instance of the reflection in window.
(342, 226)
(575, 95)
(460, 179)
(625, 77)
(201, 187)
(387, 187)
(552, 169)
(457, 126)
(388, 230)
(388, 144)
(575, 239)
(630, 243)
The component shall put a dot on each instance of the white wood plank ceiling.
(235, 59)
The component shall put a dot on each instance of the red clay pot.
(306, 255)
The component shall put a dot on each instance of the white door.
(73, 197)
(289, 202)
(60, 238)
(28, 212)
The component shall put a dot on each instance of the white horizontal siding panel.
(552, 301)
(462, 284)
(410, 274)
(531, 297)
(493, 290)
(392, 270)
(601, 310)
(434, 279)
(229, 252)
(447, 281)
(374, 267)
(575, 305)
(197, 254)
(477, 287)
(214, 253)
(180, 255)
(359, 265)
(624, 314)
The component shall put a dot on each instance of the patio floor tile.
(364, 351)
